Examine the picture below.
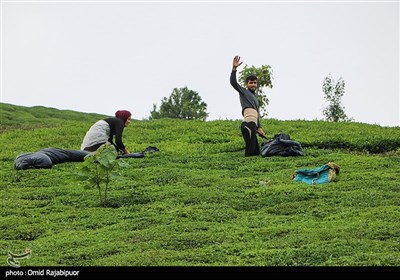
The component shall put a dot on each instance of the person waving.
(251, 125)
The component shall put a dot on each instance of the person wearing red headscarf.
(103, 131)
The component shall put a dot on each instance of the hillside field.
(199, 201)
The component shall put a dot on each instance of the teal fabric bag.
(324, 174)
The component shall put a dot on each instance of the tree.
(183, 103)
(264, 80)
(333, 93)
(98, 170)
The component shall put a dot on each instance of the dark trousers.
(249, 132)
(97, 146)
(93, 148)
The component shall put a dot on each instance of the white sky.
(94, 56)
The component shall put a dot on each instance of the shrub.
(98, 170)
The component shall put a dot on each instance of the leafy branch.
(99, 169)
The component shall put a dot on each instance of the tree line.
(184, 103)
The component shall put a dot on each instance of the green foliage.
(264, 80)
(333, 93)
(98, 170)
(183, 103)
(200, 202)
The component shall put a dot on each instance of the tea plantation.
(199, 201)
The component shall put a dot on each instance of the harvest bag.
(47, 157)
(281, 145)
(326, 173)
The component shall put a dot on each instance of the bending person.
(251, 125)
(104, 131)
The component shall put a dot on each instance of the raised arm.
(235, 64)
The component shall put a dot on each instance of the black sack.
(281, 145)
(132, 155)
(47, 157)
(58, 155)
(149, 149)
(32, 160)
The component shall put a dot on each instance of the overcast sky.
(100, 57)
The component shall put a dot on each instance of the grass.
(199, 201)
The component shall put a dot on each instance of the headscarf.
(123, 115)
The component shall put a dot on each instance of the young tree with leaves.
(183, 103)
(333, 93)
(99, 169)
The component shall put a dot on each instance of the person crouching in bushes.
(103, 131)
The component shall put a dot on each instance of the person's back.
(97, 135)
(103, 131)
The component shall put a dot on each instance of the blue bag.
(324, 174)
